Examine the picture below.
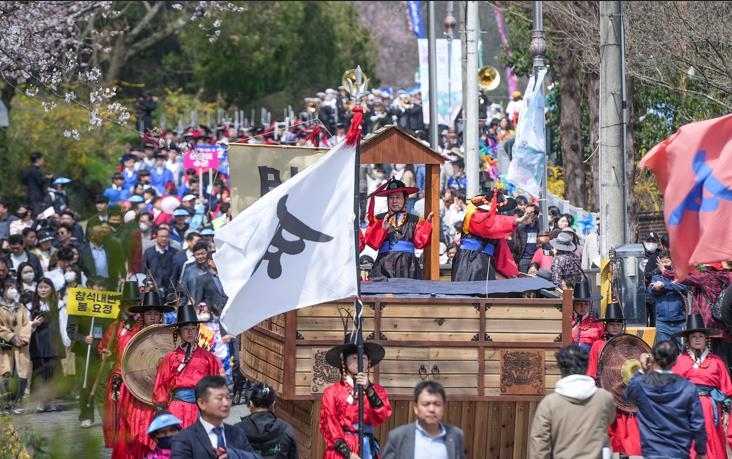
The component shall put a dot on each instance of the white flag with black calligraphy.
(292, 248)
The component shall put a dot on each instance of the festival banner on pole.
(526, 170)
(294, 247)
(449, 80)
(93, 303)
(257, 169)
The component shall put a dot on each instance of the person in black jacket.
(34, 180)
(270, 436)
(158, 260)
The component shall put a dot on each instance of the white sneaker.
(86, 423)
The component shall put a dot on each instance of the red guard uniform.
(339, 416)
(483, 247)
(624, 432)
(128, 443)
(173, 385)
(711, 373)
(586, 332)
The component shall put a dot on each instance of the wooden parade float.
(490, 344)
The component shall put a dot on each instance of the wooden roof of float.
(393, 145)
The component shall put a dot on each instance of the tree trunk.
(6, 95)
(592, 90)
(569, 126)
(116, 61)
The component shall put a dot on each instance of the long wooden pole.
(356, 230)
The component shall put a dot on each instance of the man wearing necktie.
(210, 437)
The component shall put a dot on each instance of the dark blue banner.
(415, 16)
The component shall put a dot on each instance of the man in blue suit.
(210, 437)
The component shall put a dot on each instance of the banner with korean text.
(257, 169)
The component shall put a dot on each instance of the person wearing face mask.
(668, 296)
(25, 220)
(162, 429)
(15, 362)
(26, 277)
(182, 368)
(649, 265)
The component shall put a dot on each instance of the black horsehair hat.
(187, 315)
(582, 292)
(374, 351)
(130, 293)
(151, 302)
(695, 323)
(613, 313)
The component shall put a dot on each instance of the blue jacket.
(669, 414)
(669, 300)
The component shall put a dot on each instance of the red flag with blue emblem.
(693, 168)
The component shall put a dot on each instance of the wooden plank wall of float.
(467, 344)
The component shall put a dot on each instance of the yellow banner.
(257, 169)
(93, 303)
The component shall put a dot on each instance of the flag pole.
(356, 94)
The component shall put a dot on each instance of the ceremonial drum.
(143, 356)
(621, 353)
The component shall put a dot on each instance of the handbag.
(5, 345)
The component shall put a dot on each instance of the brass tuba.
(349, 82)
(488, 78)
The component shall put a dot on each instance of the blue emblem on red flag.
(695, 200)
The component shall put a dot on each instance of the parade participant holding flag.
(339, 409)
(182, 368)
(396, 233)
(134, 414)
(483, 247)
(709, 373)
(112, 346)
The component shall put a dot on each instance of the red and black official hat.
(395, 186)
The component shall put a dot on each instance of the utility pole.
(432, 51)
(538, 50)
(613, 181)
(470, 110)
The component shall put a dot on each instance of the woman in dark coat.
(48, 340)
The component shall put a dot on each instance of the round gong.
(616, 351)
(142, 357)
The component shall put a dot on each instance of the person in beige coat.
(572, 422)
(15, 362)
